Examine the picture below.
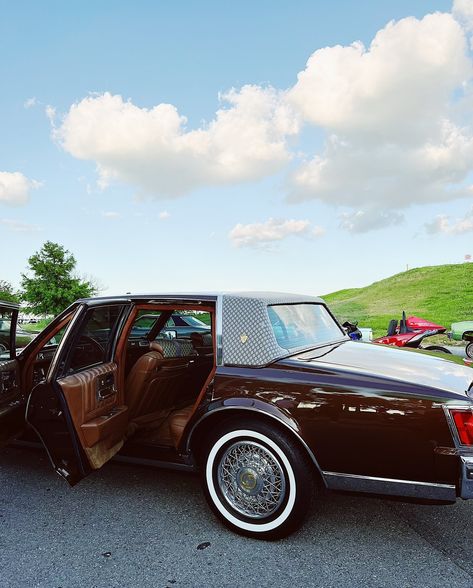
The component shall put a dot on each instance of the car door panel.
(78, 411)
(98, 416)
(12, 400)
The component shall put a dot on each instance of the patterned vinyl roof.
(247, 336)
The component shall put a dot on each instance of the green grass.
(35, 327)
(443, 294)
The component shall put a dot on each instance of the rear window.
(303, 325)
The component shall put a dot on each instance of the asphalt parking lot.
(129, 525)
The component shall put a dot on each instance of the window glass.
(144, 322)
(188, 320)
(5, 333)
(302, 325)
(179, 321)
(94, 341)
(58, 336)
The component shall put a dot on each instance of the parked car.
(276, 402)
(411, 332)
(22, 337)
(178, 325)
(463, 331)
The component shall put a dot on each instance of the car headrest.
(155, 346)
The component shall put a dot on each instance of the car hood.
(387, 362)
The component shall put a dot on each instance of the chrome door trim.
(390, 486)
(54, 367)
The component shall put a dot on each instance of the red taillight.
(464, 424)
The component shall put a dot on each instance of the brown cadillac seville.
(267, 398)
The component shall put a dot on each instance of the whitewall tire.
(257, 480)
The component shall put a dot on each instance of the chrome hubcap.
(251, 479)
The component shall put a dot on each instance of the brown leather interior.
(158, 385)
(177, 422)
(156, 400)
(140, 379)
(100, 422)
(202, 343)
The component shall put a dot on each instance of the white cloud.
(111, 214)
(318, 231)
(163, 215)
(442, 225)
(406, 75)
(463, 11)
(30, 102)
(15, 188)
(153, 150)
(388, 112)
(362, 221)
(397, 117)
(50, 113)
(19, 227)
(260, 235)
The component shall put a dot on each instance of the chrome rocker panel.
(392, 487)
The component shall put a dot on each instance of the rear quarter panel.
(354, 424)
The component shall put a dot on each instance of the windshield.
(303, 325)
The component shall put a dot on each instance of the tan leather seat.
(177, 421)
(202, 343)
(140, 377)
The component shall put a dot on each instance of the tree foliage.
(7, 292)
(52, 284)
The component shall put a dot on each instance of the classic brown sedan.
(271, 403)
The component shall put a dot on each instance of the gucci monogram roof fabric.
(247, 336)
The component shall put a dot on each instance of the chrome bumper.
(466, 479)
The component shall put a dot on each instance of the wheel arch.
(218, 414)
(468, 335)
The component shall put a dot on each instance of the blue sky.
(329, 182)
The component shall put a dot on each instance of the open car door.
(12, 400)
(78, 410)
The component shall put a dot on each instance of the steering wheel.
(87, 352)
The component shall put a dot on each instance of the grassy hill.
(442, 293)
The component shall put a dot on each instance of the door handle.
(105, 386)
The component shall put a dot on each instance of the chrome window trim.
(390, 486)
(219, 329)
(54, 366)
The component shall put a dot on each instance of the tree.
(53, 285)
(7, 292)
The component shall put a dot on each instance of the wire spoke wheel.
(251, 479)
(256, 479)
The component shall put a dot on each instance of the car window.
(144, 322)
(188, 320)
(93, 343)
(179, 321)
(193, 321)
(302, 325)
(57, 337)
(5, 330)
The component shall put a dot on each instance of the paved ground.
(130, 526)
